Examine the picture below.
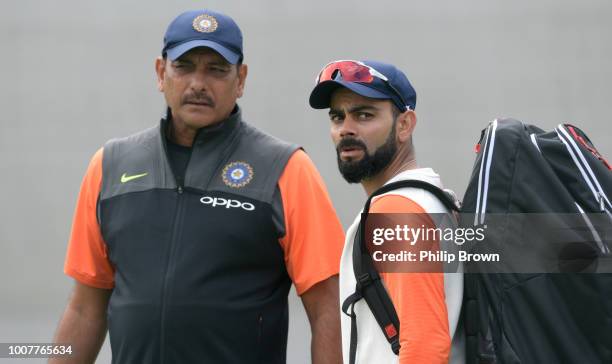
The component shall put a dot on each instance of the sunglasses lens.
(350, 71)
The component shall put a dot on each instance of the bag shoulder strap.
(369, 287)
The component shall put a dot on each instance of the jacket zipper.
(169, 261)
(260, 329)
(170, 251)
(259, 337)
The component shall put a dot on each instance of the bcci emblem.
(237, 174)
(205, 23)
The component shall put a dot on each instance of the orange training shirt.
(418, 298)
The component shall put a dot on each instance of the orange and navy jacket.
(201, 272)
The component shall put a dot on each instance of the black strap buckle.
(364, 280)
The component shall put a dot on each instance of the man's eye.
(335, 118)
(364, 116)
(219, 69)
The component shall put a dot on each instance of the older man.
(190, 233)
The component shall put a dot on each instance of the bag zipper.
(585, 170)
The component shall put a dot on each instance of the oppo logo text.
(227, 203)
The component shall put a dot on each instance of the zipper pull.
(600, 197)
(179, 189)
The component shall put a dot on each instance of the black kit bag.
(540, 317)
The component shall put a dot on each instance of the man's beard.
(369, 165)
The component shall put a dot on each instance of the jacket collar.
(220, 129)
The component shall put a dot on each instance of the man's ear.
(243, 70)
(406, 122)
(160, 70)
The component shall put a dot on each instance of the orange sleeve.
(86, 259)
(418, 298)
(314, 237)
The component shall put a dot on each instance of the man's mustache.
(198, 98)
(350, 143)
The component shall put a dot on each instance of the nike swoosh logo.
(125, 178)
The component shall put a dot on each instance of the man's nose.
(348, 127)
(199, 81)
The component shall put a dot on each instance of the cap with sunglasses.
(372, 79)
(203, 28)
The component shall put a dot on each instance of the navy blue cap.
(203, 28)
(397, 83)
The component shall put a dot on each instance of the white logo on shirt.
(228, 203)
